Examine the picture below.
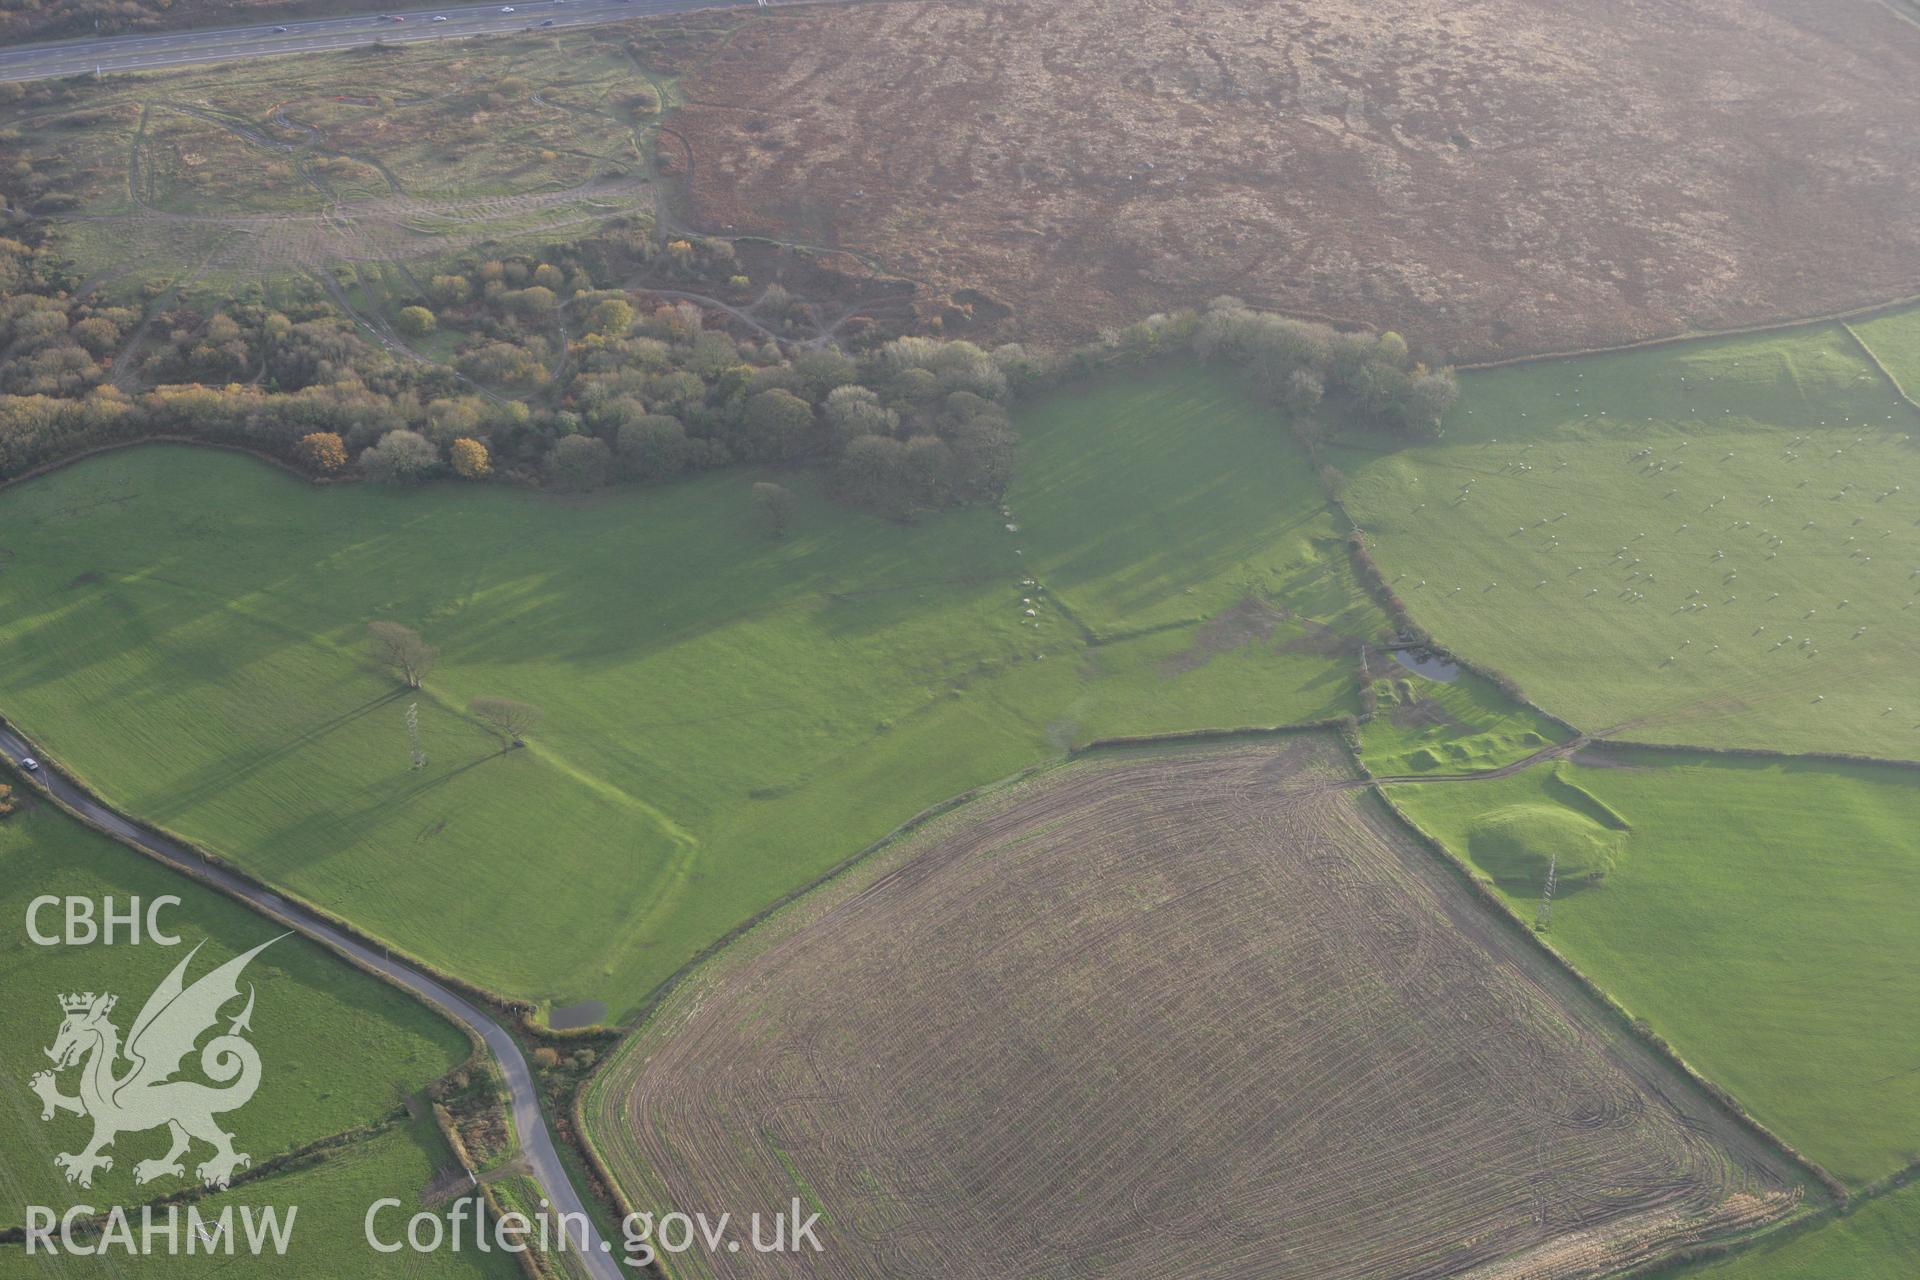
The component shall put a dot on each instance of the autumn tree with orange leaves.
(470, 459)
(322, 451)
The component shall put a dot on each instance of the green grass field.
(1710, 543)
(1876, 1242)
(328, 1238)
(1136, 507)
(338, 1049)
(726, 717)
(1763, 916)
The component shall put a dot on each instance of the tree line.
(560, 382)
(1325, 379)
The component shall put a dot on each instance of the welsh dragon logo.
(145, 1094)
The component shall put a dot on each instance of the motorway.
(530, 1126)
(312, 35)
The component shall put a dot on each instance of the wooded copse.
(1349, 377)
(608, 385)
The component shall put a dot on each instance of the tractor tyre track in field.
(932, 1107)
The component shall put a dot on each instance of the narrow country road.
(536, 1141)
(146, 51)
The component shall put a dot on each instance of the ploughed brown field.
(1208, 1013)
(1491, 177)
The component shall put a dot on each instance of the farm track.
(1112, 927)
(530, 1124)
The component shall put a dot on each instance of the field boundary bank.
(1873, 358)
(606, 1092)
(1373, 580)
(1836, 1190)
(1898, 1180)
(1345, 728)
(594, 1091)
(591, 1093)
(1177, 737)
(513, 1010)
(1791, 1229)
(285, 909)
(1336, 725)
(443, 1121)
(1605, 745)
(1868, 312)
(1575, 796)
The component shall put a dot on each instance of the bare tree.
(402, 651)
(511, 720)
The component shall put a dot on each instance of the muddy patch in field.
(1250, 622)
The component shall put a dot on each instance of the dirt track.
(1198, 1014)
(1494, 177)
